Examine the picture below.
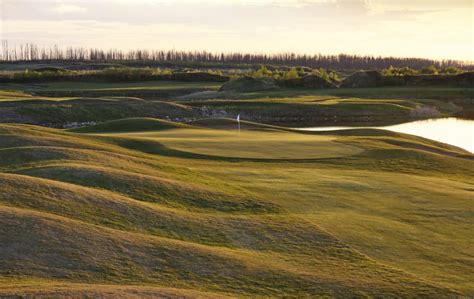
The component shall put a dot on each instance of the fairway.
(202, 210)
(250, 144)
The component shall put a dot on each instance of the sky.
(438, 29)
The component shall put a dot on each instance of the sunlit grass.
(143, 203)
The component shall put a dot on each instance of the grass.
(17, 107)
(406, 92)
(59, 289)
(308, 107)
(311, 103)
(251, 145)
(130, 125)
(111, 86)
(142, 206)
(148, 90)
(61, 103)
(302, 111)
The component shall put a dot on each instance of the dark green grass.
(353, 106)
(59, 104)
(107, 86)
(130, 125)
(59, 112)
(415, 92)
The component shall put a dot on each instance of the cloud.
(283, 3)
(432, 28)
(65, 8)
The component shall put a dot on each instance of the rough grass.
(108, 86)
(62, 103)
(294, 107)
(130, 125)
(303, 110)
(56, 289)
(181, 212)
(415, 92)
(60, 111)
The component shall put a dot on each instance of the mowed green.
(249, 144)
(181, 210)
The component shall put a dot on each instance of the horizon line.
(7, 49)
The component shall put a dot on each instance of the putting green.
(251, 144)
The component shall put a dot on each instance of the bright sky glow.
(421, 28)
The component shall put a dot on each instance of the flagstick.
(238, 122)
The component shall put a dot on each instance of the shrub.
(391, 71)
(291, 74)
(430, 70)
(263, 71)
(451, 70)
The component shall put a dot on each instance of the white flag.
(238, 117)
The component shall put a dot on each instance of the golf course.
(148, 173)
(146, 207)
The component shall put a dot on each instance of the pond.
(451, 130)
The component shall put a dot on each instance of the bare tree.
(31, 52)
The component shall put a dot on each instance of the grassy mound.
(106, 216)
(309, 81)
(137, 257)
(130, 125)
(363, 79)
(248, 84)
(62, 112)
(253, 144)
(50, 69)
(167, 192)
(302, 111)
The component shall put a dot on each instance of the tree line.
(32, 52)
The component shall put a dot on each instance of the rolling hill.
(143, 207)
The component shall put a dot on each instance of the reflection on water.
(454, 131)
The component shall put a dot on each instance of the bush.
(429, 70)
(391, 71)
(451, 70)
(291, 74)
(126, 74)
(27, 76)
(262, 72)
